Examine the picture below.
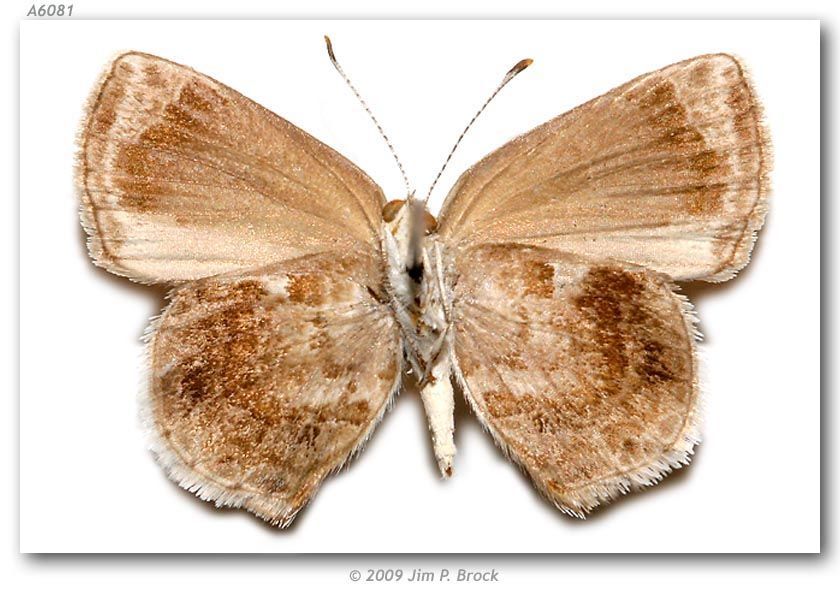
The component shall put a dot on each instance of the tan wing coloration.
(264, 382)
(181, 177)
(583, 372)
(668, 171)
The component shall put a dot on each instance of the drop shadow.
(827, 293)
(697, 291)
(675, 477)
(243, 515)
(155, 294)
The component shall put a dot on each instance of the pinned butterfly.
(545, 289)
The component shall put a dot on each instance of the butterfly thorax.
(414, 266)
(420, 298)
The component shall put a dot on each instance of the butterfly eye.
(390, 210)
(430, 223)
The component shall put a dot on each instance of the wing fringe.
(742, 252)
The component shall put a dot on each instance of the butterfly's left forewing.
(261, 383)
(582, 371)
(669, 171)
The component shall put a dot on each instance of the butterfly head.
(397, 212)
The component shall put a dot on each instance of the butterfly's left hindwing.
(583, 372)
(262, 383)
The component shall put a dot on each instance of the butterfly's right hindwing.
(262, 383)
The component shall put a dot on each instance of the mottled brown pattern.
(700, 74)
(668, 171)
(171, 193)
(139, 165)
(306, 288)
(539, 279)
(603, 385)
(246, 404)
(609, 299)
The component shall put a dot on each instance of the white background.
(142, 577)
(89, 485)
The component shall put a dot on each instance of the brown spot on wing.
(701, 74)
(154, 75)
(608, 300)
(706, 167)
(306, 288)
(654, 367)
(539, 279)
(185, 119)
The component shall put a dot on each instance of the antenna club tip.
(329, 48)
(521, 66)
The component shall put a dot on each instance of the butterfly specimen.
(545, 289)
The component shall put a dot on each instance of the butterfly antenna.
(516, 70)
(367, 110)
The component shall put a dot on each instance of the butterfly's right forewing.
(181, 177)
